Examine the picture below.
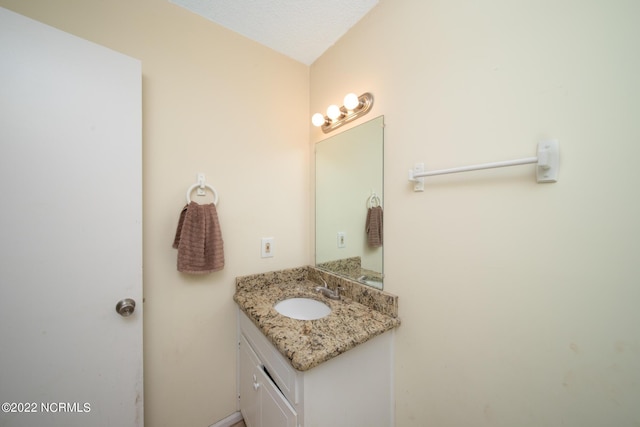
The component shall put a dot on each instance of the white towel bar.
(547, 170)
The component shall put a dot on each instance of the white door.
(70, 230)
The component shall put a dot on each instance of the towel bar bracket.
(200, 191)
(548, 161)
(418, 183)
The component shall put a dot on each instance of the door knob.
(125, 307)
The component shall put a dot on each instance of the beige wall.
(519, 300)
(215, 103)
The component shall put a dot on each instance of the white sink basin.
(303, 308)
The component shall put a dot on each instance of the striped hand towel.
(199, 240)
(374, 226)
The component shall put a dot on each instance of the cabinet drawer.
(279, 368)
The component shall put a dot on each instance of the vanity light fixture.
(354, 107)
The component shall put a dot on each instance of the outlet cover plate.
(266, 250)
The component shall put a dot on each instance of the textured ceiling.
(300, 29)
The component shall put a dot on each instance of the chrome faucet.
(328, 292)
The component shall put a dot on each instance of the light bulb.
(333, 112)
(317, 119)
(351, 101)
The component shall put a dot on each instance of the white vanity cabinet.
(262, 403)
(352, 389)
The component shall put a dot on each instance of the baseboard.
(229, 421)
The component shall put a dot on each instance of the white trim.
(236, 417)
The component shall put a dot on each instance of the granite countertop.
(307, 343)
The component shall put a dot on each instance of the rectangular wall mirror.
(349, 181)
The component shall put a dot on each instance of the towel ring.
(194, 186)
(373, 199)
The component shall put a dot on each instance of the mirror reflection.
(349, 203)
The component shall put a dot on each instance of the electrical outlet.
(342, 239)
(267, 247)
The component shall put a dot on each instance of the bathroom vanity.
(333, 371)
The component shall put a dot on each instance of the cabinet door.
(249, 385)
(276, 411)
